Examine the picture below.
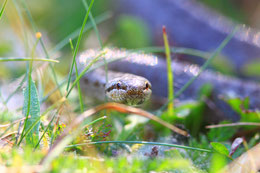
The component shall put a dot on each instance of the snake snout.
(138, 95)
(128, 89)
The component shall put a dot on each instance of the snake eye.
(147, 86)
(118, 86)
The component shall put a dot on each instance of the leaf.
(218, 162)
(220, 148)
(241, 106)
(33, 136)
(247, 162)
(221, 134)
(205, 91)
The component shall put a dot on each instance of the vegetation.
(46, 125)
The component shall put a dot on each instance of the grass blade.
(31, 105)
(78, 42)
(144, 143)
(27, 59)
(203, 68)
(169, 73)
(64, 142)
(38, 143)
(99, 19)
(3, 9)
(93, 23)
(35, 29)
(179, 50)
(78, 84)
(83, 72)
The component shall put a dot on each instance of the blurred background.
(120, 24)
(131, 24)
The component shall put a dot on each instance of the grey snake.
(154, 75)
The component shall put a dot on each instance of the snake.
(133, 79)
(191, 24)
(120, 87)
(136, 75)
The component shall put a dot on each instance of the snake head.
(129, 89)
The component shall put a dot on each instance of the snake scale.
(153, 69)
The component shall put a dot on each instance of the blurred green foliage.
(131, 33)
(61, 17)
(228, 8)
(252, 68)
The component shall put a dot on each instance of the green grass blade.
(31, 136)
(35, 29)
(97, 34)
(63, 82)
(78, 84)
(49, 125)
(64, 142)
(83, 72)
(101, 18)
(26, 59)
(169, 73)
(31, 106)
(3, 9)
(78, 43)
(203, 68)
(179, 50)
(93, 23)
(144, 143)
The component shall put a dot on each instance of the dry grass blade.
(5, 141)
(8, 135)
(232, 125)
(132, 110)
(16, 121)
(123, 109)
(110, 106)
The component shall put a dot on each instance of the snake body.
(193, 25)
(153, 69)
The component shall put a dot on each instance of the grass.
(203, 67)
(78, 43)
(5, 59)
(143, 143)
(65, 142)
(84, 71)
(35, 29)
(3, 9)
(28, 103)
(99, 19)
(169, 73)
(74, 57)
(177, 50)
